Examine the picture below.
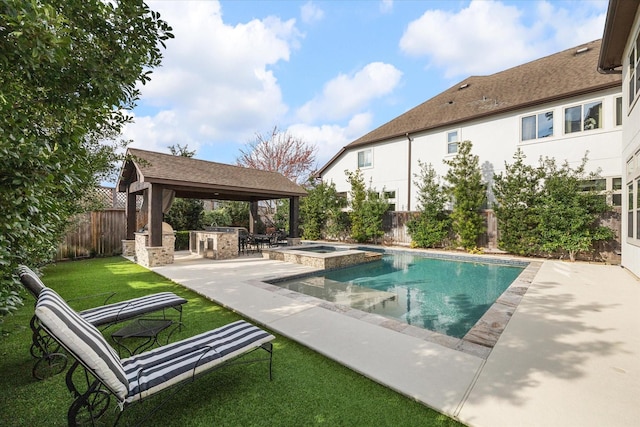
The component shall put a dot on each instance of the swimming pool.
(442, 295)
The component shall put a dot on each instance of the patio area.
(568, 357)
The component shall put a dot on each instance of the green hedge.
(182, 240)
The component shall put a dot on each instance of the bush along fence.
(396, 232)
(100, 233)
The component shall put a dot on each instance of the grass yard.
(307, 389)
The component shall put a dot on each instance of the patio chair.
(50, 360)
(138, 377)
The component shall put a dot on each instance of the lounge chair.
(50, 360)
(135, 378)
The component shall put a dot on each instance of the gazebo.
(159, 177)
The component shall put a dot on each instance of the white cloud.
(347, 95)
(331, 138)
(215, 79)
(386, 6)
(310, 13)
(489, 36)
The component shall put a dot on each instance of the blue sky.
(331, 71)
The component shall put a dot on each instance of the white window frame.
(633, 85)
(453, 144)
(391, 200)
(536, 117)
(364, 164)
(617, 111)
(582, 114)
(633, 200)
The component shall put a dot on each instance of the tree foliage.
(280, 152)
(544, 209)
(320, 210)
(69, 71)
(517, 209)
(468, 192)
(432, 225)
(239, 212)
(185, 214)
(569, 217)
(283, 153)
(219, 217)
(367, 209)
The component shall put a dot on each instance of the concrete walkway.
(570, 355)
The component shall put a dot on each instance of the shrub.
(182, 240)
(468, 193)
(432, 225)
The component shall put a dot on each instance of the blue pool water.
(440, 295)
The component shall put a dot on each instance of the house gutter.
(409, 139)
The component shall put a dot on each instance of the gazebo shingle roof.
(189, 177)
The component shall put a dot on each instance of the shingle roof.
(201, 175)
(561, 75)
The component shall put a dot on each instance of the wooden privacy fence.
(98, 233)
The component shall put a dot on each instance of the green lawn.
(307, 389)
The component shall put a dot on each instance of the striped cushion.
(154, 370)
(30, 280)
(124, 310)
(83, 340)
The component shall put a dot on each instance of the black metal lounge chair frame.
(49, 359)
(92, 395)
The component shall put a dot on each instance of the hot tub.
(322, 256)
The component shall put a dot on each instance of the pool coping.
(480, 339)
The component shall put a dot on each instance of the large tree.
(69, 71)
(280, 152)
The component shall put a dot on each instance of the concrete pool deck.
(569, 356)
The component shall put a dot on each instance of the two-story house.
(620, 55)
(558, 106)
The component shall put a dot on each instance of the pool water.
(445, 296)
(319, 249)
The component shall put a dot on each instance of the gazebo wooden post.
(253, 216)
(130, 212)
(154, 197)
(294, 215)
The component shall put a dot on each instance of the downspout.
(409, 139)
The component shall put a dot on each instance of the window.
(616, 188)
(365, 159)
(630, 212)
(634, 75)
(583, 117)
(609, 188)
(637, 210)
(537, 126)
(599, 184)
(619, 111)
(390, 196)
(452, 142)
